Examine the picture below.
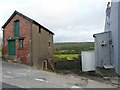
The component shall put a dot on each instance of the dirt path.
(114, 80)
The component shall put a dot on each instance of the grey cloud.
(81, 20)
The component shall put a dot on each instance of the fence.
(68, 64)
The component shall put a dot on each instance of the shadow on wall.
(68, 64)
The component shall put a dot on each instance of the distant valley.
(73, 47)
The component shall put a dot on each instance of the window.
(16, 28)
(49, 44)
(39, 29)
(21, 42)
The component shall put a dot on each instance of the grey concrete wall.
(107, 21)
(40, 45)
(119, 39)
(103, 53)
(114, 29)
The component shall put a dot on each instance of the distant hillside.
(73, 47)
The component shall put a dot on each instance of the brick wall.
(23, 54)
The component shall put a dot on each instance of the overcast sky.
(70, 20)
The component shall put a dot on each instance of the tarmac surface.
(16, 75)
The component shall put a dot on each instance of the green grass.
(66, 56)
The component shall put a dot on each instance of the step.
(108, 66)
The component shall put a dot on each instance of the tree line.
(73, 48)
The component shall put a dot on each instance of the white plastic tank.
(88, 60)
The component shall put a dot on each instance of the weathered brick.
(25, 31)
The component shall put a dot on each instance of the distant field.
(71, 50)
(67, 56)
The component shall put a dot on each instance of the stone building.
(26, 41)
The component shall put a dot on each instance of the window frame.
(49, 44)
(16, 28)
(21, 43)
(40, 29)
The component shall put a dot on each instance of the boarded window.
(16, 28)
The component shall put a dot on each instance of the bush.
(2, 51)
(79, 56)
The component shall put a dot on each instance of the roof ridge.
(16, 12)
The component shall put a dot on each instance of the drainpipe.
(2, 44)
(31, 53)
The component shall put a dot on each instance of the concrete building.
(26, 41)
(107, 44)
